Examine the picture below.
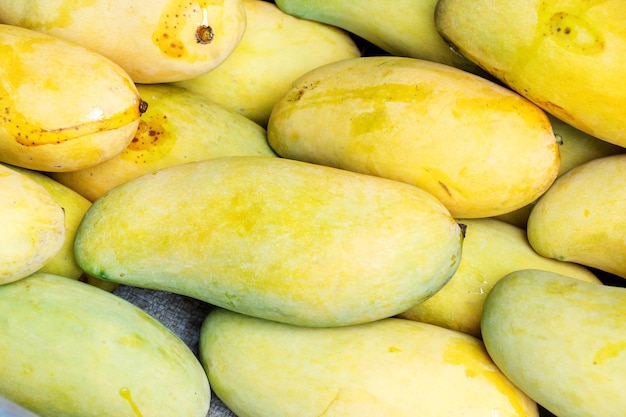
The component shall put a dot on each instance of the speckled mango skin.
(391, 367)
(569, 57)
(63, 107)
(581, 218)
(159, 42)
(491, 249)
(77, 351)
(274, 238)
(481, 149)
(33, 226)
(560, 340)
(178, 127)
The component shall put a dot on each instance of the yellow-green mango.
(560, 340)
(569, 57)
(74, 207)
(154, 41)
(391, 367)
(64, 107)
(274, 238)
(70, 349)
(581, 217)
(178, 127)
(276, 48)
(481, 149)
(33, 225)
(491, 249)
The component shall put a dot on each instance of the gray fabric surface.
(182, 315)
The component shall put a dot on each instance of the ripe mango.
(178, 127)
(568, 57)
(560, 340)
(391, 367)
(581, 218)
(70, 349)
(64, 107)
(154, 42)
(466, 140)
(274, 238)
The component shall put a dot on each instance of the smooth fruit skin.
(581, 218)
(391, 367)
(560, 340)
(70, 349)
(491, 249)
(33, 226)
(276, 48)
(274, 238)
(569, 57)
(154, 42)
(64, 107)
(480, 148)
(178, 127)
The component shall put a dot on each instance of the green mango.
(70, 349)
(560, 340)
(274, 238)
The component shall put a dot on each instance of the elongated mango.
(70, 349)
(480, 148)
(391, 367)
(274, 238)
(64, 107)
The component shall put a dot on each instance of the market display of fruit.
(250, 208)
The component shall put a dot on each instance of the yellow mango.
(480, 148)
(154, 41)
(64, 107)
(391, 367)
(568, 57)
(276, 48)
(491, 249)
(33, 226)
(581, 218)
(560, 340)
(70, 349)
(274, 238)
(178, 127)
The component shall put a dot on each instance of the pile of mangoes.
(392, 210)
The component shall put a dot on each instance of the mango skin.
(275, 49)
(568, 57)
(581, 218)
(34, 226)
(560, 340)
(160, 38)
(64, 107)
(391, 367)
(491, 249)
(460, 137)
(73, 350)
(274, 238)
(178, 127)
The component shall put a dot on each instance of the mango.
(64, 107)
(391, 367)
(178, 127)
(275, 49)
(464, 139)
(581, 218)
(274, 238)
(491, 249)
(560, 340)
(154, 42)
(70, 349)
(33, 226)
(568, 57)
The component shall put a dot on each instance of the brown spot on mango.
(153, 140)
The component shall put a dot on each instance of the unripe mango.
(274, 238)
